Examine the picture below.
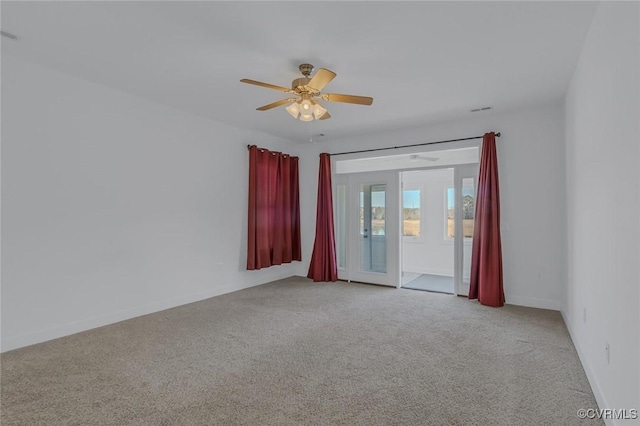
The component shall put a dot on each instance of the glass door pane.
(341, 225)
(373, 235)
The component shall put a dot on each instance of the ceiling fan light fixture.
(313, 110)
(306, 106)
(318, 111)
(306, 117)
(294, 109)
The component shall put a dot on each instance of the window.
(411, 222)
(468, 210)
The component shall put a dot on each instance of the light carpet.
(293, 352)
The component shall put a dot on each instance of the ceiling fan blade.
(267, 85)
(321, 78)
(416, 157)
(276, 104)
(350, 99)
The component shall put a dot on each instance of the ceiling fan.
(416, 157)
(305, 105)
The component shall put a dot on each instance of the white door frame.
(461, 172)
(394, 268)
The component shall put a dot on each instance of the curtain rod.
(415, 144)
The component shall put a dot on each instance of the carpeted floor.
(293, 352)
(429, 282)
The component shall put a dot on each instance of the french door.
(368, 227)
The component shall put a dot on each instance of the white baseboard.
(595, 386)
(27, 339)
(533, 302)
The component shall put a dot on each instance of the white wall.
(602, 119)
(432, 253)
(531, 167)
(113, 206)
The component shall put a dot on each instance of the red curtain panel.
(274, 209)
(486, 259)
(323, 266)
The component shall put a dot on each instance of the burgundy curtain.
(486, 259)
(323, 266)
(274, 209)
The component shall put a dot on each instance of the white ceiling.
(422, 61)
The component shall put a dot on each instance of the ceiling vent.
(481, 109)
(8, 35)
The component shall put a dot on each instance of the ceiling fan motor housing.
(298, 82)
